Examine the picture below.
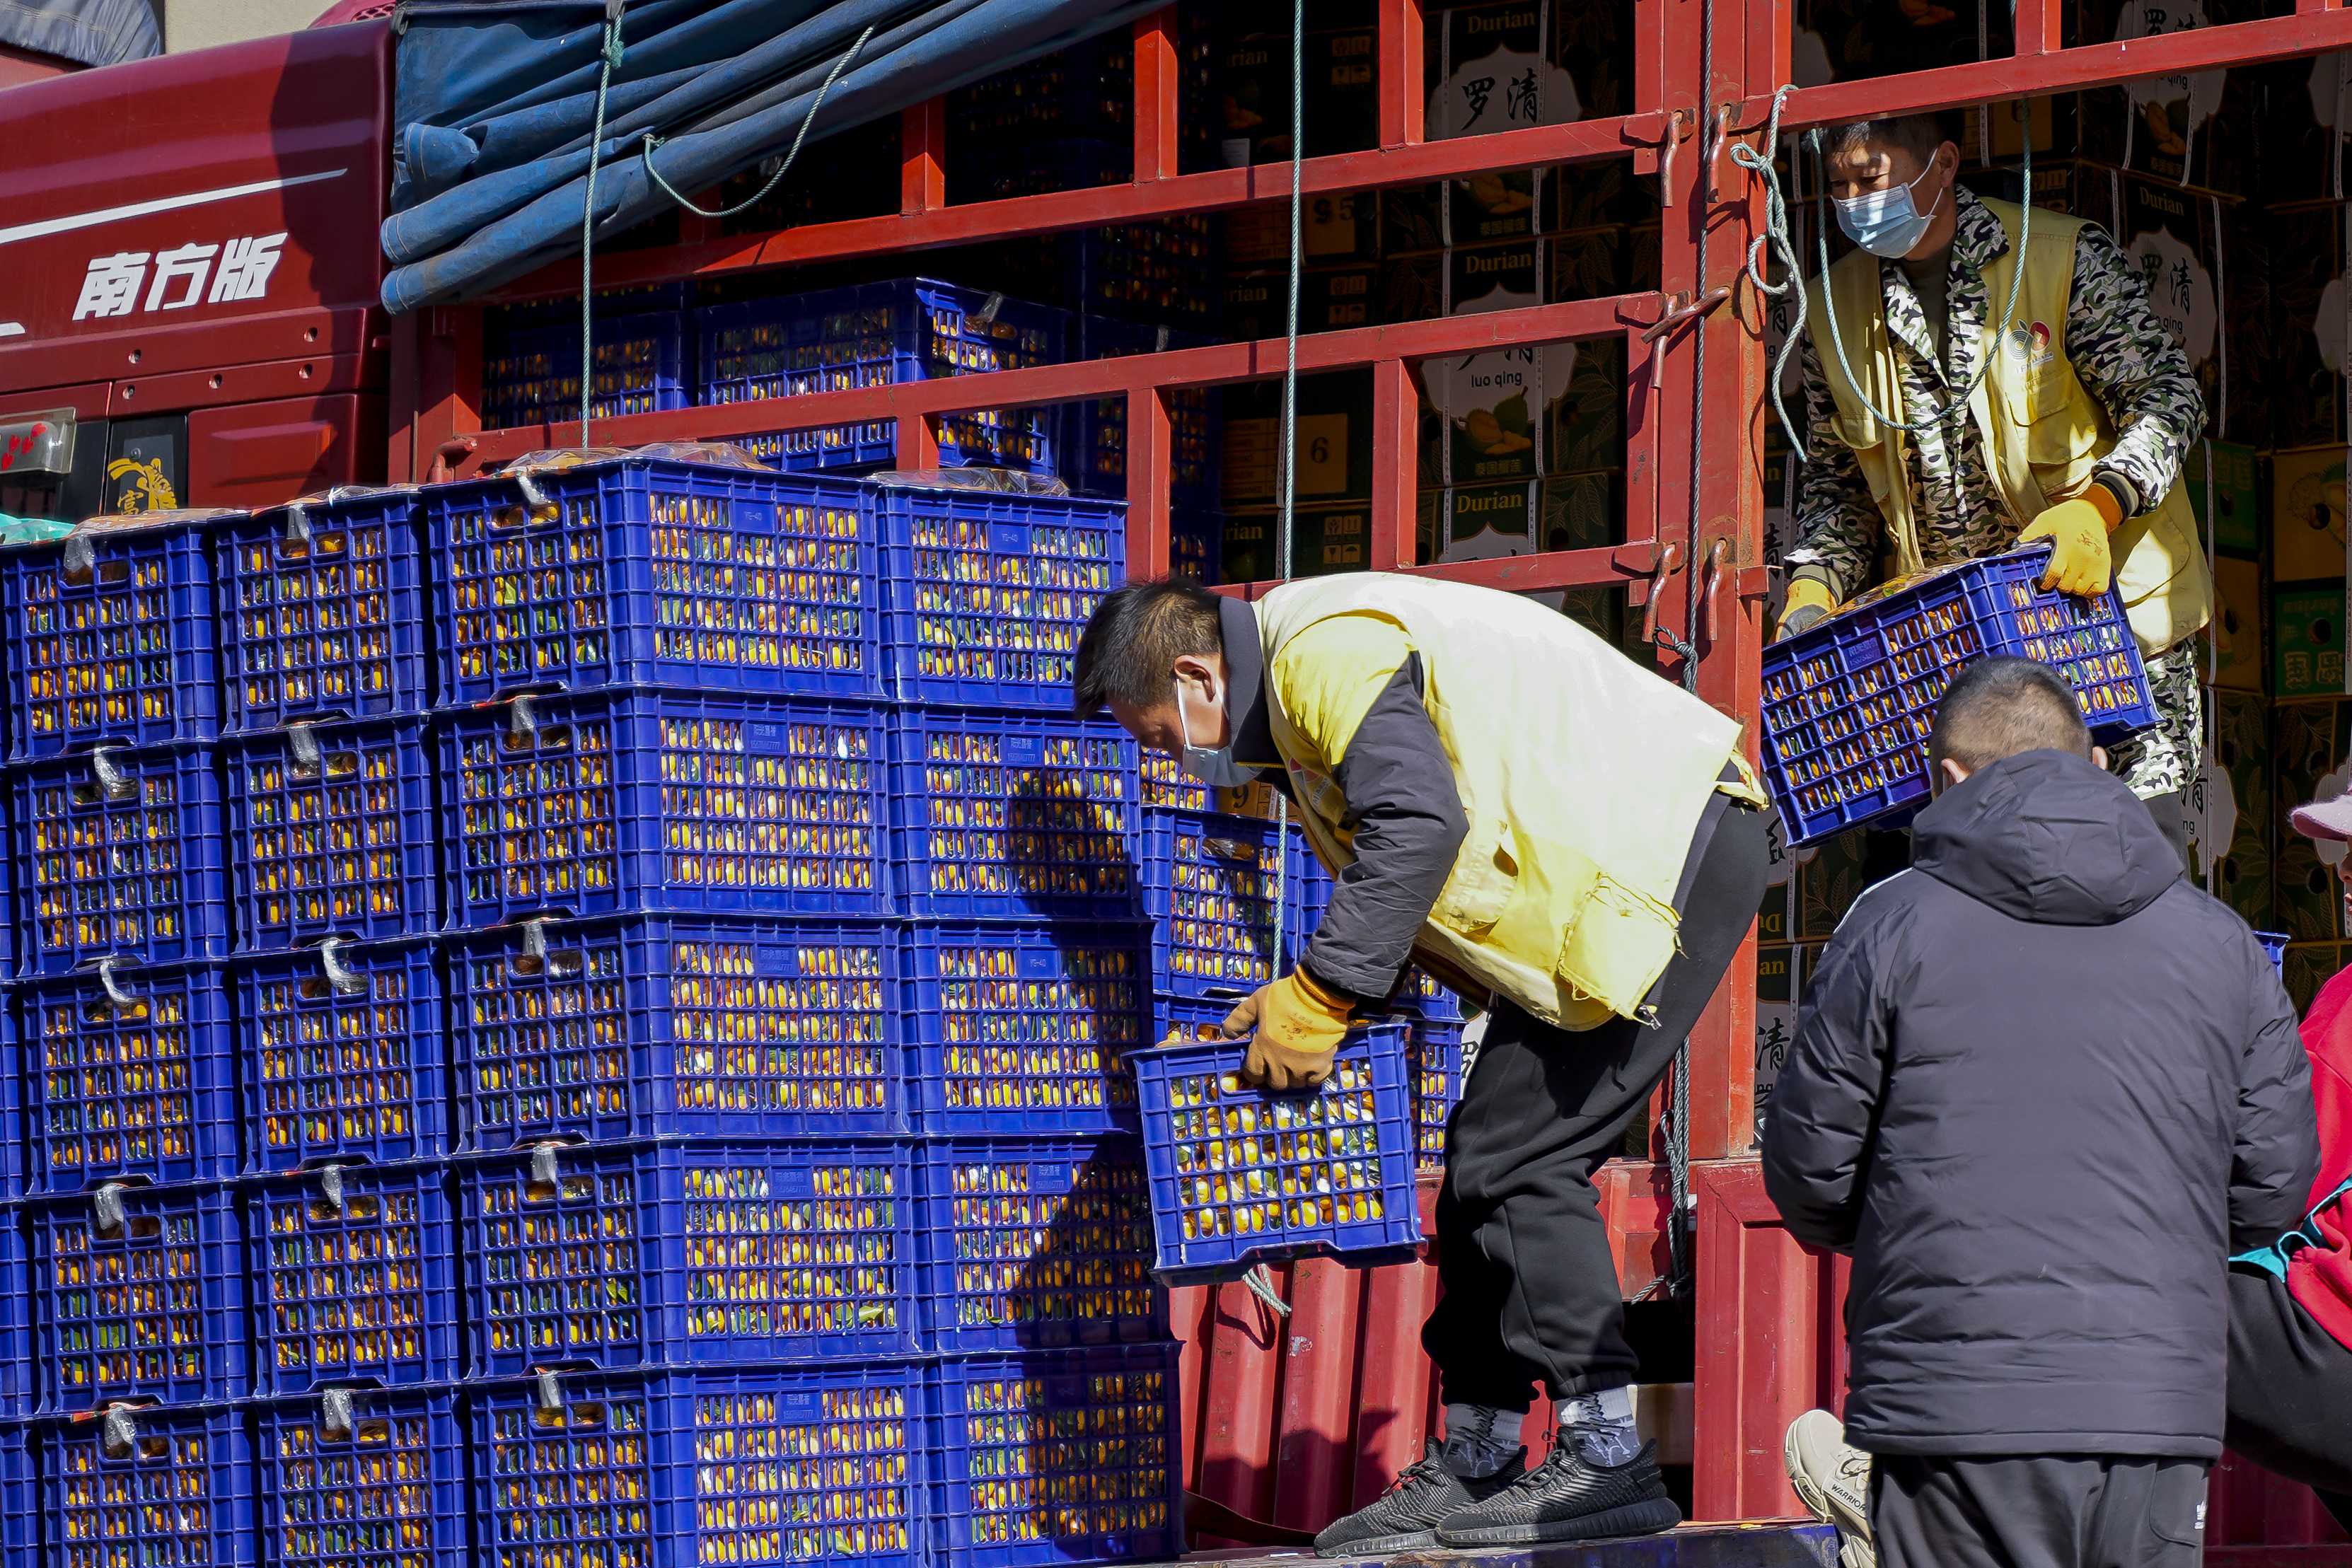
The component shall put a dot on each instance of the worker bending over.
(1548, 829)
(2042, 1089)
(2074, 433)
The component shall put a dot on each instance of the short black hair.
(1917, 134)
(2001, 706)
(1134, 638)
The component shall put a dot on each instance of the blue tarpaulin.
(91, 32)
(496, 103)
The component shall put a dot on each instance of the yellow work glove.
(1295, 1026)
(2080, 562)
(1809, 599)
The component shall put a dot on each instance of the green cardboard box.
(2307, 637)
(2243, 876)
(2237, 504)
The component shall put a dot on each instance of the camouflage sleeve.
(1837, 522)
(2123, 355)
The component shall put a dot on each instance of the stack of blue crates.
(576, 1010)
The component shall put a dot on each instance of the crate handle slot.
(335, 1407)
(550, 1393)
(107, 1203)
(340, 975)
(542, 1169)
(1230, 848)
(119, 1433)
(303, 742)
(298, 525)
(986, 314)
(522, 719)
(78, 557)
(533, 495)
(111, 779)
(331, 1183)
(115, 993)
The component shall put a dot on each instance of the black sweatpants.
(1531, 1292)
(2046, 1511)
(2290, 1391)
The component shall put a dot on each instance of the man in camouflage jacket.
(2124, 357)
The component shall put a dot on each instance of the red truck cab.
(188, 276)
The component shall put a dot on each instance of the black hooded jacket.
(2042, 1087)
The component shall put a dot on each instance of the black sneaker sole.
(1648, 1518)
(1381, 1545)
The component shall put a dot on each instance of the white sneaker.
(1831, 1478)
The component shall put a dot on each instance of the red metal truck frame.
(1705, 73)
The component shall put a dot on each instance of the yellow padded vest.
(1582, 777)
(2041, 429)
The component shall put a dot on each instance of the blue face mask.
(1887, 223)
(1212, 766)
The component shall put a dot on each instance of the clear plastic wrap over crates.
(1094, 440)
(137, 1291)
(1050, 1456)
(1022, 1029)
(530, 375)
(119, 855)
(129, 1074)
(321, 610)
(352, 1277)
(1241, 1174)
(997, 817)
(650, 1025)
(686, 1252)
(875, 335)
(111, 638)
(1848, 704)
(332, 832)
(1028, 1242)
(360, 1477)
(146, 1485)
(988, 594)
(641, 568)
(339, 1050)
(1209, 887)
(739, 1465)
(638, 798)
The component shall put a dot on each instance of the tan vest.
(1582, 777)
(2042, 431)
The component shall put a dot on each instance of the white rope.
(653, 142)
(1776, 233)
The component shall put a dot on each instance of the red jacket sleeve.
(2320, 1276)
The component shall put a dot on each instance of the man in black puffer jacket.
(2043, 1088)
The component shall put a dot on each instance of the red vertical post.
(401, 466)
(1402, 94)
(918, 443)
(449, 381)
(922, 156)
(1157, 95)
(1396, 465)
(2037, 27)
(1150, 452)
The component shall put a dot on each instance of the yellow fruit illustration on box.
(1501, 430)
(1502, 194)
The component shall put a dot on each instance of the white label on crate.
(1046, 1177)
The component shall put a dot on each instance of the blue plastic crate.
(110, 637)
(881, 334)
(1022, 1029)
(564, 309)
(1029, 1241)
(1094, 446)
(1209, 884)
(352, 1277)
(650, 1025)
(1419, 993)
(341, 1054)
(639, 569)
(988, 594)
(1848, 704)
(767, 1465)
(321, 613)
(138, 1291)
(359, 1476)
(530, 375)
(119, 855)
(332, 831)
(703, 1251)
(1240, 1174)
(999, 817)
(129, 1074)
(2274, 944)
(638, 798)
(1436, 1069)
(1052, 1457)
(146, 1485)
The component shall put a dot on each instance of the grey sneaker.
(1404, 1518)
(1567, 1499)
(1831, 1478)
